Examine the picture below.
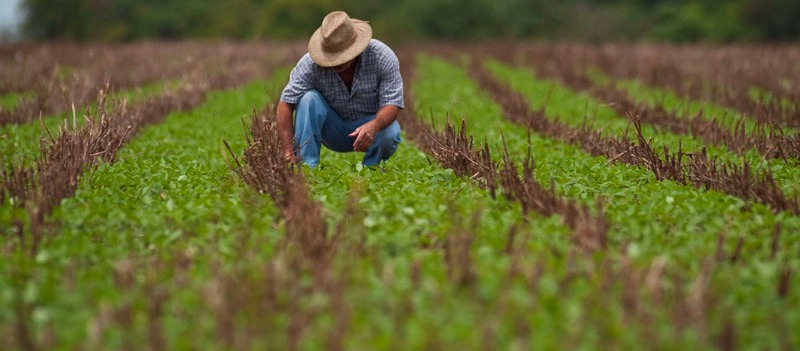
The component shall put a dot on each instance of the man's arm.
(300, 82)
(286, 130)
(365, 134)
(390, 96)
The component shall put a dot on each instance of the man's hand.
(364, 135)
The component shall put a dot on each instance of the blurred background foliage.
(713, 21)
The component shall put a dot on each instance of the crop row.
(23, 142)
(758, 81)
(489, 117)
(705, 122)
(124, 245)
(456, 150)
(200, 67)
(406, 226)
(451, 244)
(36, 188)
(677, 301)
(699, 169)
(577, 109)
(48, 78)
(233, 283)
(640, 208)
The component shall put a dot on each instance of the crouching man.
(345, 92)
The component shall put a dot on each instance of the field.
(545, 196)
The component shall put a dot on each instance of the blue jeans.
(317, 124)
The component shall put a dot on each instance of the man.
(346, 92)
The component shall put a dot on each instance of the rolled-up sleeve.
(391, 82)
(300, 80)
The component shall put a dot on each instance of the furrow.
(738, 137)
(696, 168)
(308, 247)
(771, 143)
(737, 77)
(645, 215)
(61, 75)
(625, 189)
(79, 150)
(149, 234)
(456, 150)
(22, 142)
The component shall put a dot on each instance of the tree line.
(716, 21)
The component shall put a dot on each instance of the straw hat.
(339, 39)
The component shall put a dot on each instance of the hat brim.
(330, 59)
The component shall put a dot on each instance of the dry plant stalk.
(77, 151)
(570, 70)
(722, 75)
(53, 76)
(590, 231)
(685, 168)
(456, 150)
(308, 248)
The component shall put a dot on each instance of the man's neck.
(348, 75)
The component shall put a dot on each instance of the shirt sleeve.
(300, 80)
(391, 82)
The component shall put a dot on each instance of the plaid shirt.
(377, 83)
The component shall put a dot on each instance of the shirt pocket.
(366, 96)
(327, 86)
(331, 96)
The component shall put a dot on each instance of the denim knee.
(389, 136)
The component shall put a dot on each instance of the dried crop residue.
(55, 76)
(590, 230)
(568, 66)
(770, 142)
(456, 150)
(453, 149)
(643, 290)
(685, 168)
(76, 151)
(308, 248)
(722, 75)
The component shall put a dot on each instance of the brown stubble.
(457, 151)
(454, 148)
(568, 65)
(694, 168)
(75, 152)
(643, 291)
(308, 248)
(722, 75)
(61, 75)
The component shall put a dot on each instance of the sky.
(9, 13)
